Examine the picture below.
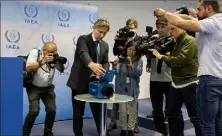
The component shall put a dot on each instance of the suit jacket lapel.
(91, 43)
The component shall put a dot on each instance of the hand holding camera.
(47, 58)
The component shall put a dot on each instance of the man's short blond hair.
(132, 21)
(101, 22)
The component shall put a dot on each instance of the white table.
(116, 99)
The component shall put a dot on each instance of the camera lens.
(107, 91)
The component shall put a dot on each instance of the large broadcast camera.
(143, 43)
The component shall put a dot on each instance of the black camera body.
(161, 44)
(183, 10)
(58, 59)
(123, 36)
(143, 43)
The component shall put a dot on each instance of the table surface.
(115, 99)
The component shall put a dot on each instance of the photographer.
(184, 64)
(127, 83)
(42, 87)
(132, 25)
(209, 43)
(159, 81)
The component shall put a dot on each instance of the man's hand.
(156, 53)
(148, 70)
(159, 12)
(48, 58)
(97, 68)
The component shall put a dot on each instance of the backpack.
(28, 76)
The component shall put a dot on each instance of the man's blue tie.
(97, 50)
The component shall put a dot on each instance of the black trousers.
(157, 92)
(176, 98)
(78, 112)
(47, 96)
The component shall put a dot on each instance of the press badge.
(127, 80)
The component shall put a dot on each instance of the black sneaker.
(123, 133)
(49, 133)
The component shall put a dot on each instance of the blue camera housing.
(103, 88)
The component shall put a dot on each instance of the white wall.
(117, 12)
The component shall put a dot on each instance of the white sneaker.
(158, 134)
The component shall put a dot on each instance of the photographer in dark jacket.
(42, 87)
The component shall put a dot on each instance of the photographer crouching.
(184, 64)
(42, 61)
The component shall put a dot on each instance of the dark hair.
(214, 3)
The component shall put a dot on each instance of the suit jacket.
(86, 53)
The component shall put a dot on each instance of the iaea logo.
(47, 38)
(93, 18)
(12, 37)
(31, 11)
(75, 40)
(64, 15)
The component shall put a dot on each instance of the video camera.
(161, 44)
(143, 43)
(182, 10)
(103, 88)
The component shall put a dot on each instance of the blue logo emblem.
(12, 36)
(47, 38)
(31, 11)
(93, 18)
(64, 15)
(75, 40)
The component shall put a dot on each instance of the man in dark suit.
(91, 61)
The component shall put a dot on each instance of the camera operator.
(159, 82)
(131, 24)
(209, 43)
(184, 64)
(42, 87)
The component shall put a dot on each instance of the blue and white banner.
(29, 24)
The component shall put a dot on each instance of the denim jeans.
(209, 99)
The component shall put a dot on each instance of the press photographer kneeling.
(42, 63)
(184, 64)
